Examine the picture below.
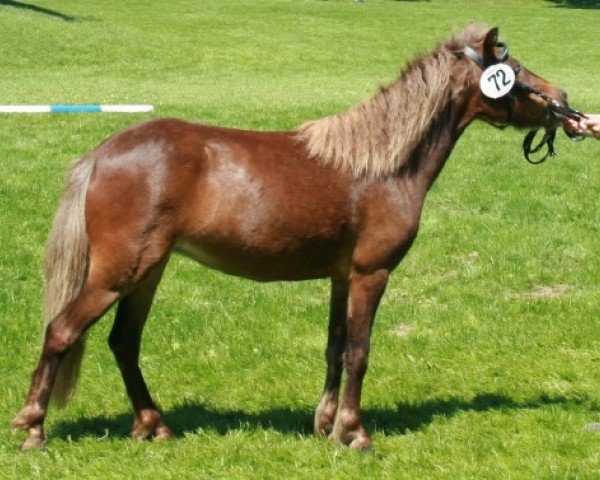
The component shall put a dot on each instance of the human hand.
(592, 123)
(574, 127)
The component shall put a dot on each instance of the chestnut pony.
(337, 198)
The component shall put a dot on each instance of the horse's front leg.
(336, 344)
(365, 293)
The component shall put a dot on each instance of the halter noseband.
(556, 110)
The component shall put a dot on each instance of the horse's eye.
(517, 69)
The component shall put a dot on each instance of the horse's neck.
(431, 154)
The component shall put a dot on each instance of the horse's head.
(503, 92)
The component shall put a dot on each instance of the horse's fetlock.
(325, 415)
(347, 422)
(350, 419)
(28, 417)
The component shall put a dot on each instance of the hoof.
(348, 430)
(36, 439)
(361, 444)
(323, 431)
(162, 432)
(33, 443)
(149, 425)
(323, 428)
(31, 420)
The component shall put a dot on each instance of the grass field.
(486, 349)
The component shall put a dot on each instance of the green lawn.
(487, 345)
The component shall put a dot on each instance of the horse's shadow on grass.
(590, 4)
(34, 8)
(191, 417)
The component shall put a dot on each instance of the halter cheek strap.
(476, 58)
(472, 54)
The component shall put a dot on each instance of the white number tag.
(497, 80)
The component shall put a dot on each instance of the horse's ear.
(489, 43)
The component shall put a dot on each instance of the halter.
(479, 60)
(557, 111)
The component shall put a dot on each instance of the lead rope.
(559, 112)
(547, 139)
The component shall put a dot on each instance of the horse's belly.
(262, 264)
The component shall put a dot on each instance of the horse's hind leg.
(124, 341)
(336, 344)
(61, 334)
(113, 273)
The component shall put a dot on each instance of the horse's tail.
(66, 267)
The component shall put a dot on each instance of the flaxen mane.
(378, 136)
